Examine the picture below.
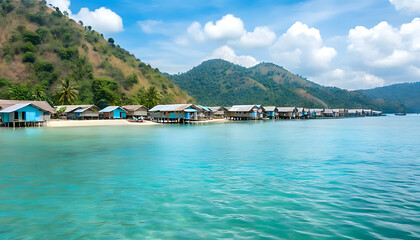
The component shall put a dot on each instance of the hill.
(41, 47)
(218, 82)
(406, 94)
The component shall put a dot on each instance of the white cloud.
(384, 46)
(194, 30)
(350, 79)
(260, 37)
(411, 6)
(63, 5)
(302, 49)
(227, 53)
(229, 27)
(150, 26)
(231, 30)
(411, 31)
(103, 20)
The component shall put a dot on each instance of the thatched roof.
(133, 108)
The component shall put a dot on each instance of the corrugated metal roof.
(286, 109)
(214, 109)
(43, 105)
(71, 108)
(133, 107)
(170, 108)
(241, 108)
(190, 110)
(15, 107)
(270, 109)
(80, 110)
(328, 111)
(110, 109)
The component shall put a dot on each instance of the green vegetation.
(67, 94)
(42, 49)
(151, 97)
(218, 82)
(403, 97)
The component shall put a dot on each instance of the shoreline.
(113, 122)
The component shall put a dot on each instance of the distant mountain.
(218, 82)
(406, 95)
(39, 47)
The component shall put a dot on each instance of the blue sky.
(350, 44)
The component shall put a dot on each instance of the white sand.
(87, 123)
(213, 121)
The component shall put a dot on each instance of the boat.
(400, 114)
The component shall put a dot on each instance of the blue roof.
(110, 109)
(15, 107)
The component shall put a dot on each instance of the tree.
(38, 93)
(111, 41)
(20, 92)
(68, 93)
(152, 97)
(80, 22)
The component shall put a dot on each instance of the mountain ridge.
(219, 82)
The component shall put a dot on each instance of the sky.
(357, 44)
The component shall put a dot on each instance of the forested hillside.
(405, 94)
(45, 55)
(218, 82)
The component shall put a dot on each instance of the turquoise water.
(299, 179)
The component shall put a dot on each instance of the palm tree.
(38, 93)
(152, 97)
(68, 93)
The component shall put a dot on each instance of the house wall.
(141, 113)
(32, 113)
(118, 113)
(174, 115)
(89, 113)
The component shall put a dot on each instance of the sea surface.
(356, 178)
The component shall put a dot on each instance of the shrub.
(28, 57)
(28, 47)
(37, 18)
(130, 81)
(43, 32)
(32, 37)
(68, 53)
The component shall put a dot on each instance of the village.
(16, 113)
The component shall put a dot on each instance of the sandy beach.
(119, 122)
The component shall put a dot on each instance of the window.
(23, 115)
